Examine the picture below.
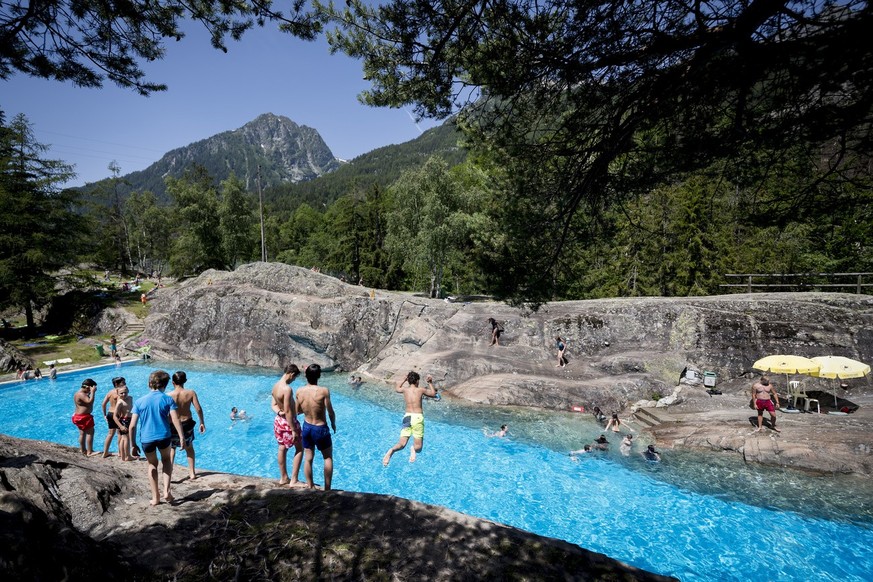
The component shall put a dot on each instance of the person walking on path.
(152, 415)
(185, 399)
(313, 401)
(82, 417)
(764, 393)
(412, 424)
(286, 428)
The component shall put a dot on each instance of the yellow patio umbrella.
(839, 367)
(780, 364)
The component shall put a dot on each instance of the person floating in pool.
(286, 428)
(504, 429)
(314, 402)
(627, 444)
(236, 414)
(614, 423)
(413, 419)
(355, 382)
(598, 415)
(574, 455)
(650, 454)
(82, 417)
(601, 443)
(152, 415)
(185, 399)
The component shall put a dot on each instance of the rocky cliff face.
(620, 350)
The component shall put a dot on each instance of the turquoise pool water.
(694, 517)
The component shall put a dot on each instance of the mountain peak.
(284, 151)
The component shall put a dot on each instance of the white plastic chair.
(795, 392)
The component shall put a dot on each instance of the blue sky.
(209, 92)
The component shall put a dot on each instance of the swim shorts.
(123, 424)
(187, 428)
(152, 446)
(83, 421)
(761, 404)
(412, 425)
(110, 421)
(316, 435)
(283, 431)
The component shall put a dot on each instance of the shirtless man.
(111, 399)
(763, 393)
(286, 428)
(123, 409)
(184, 398)
(413, 419)
(313, 401)
(82, 417)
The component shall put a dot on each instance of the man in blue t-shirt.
(151, 417)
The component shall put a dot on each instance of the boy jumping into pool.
(153, 414)
(313, 401)
(413, 419)
(82, 417)
(286, 428)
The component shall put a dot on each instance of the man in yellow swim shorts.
(413, 419)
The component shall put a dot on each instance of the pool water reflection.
(691, 516)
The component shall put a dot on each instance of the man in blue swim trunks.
(413, 418)
(152, 415)
(314, 401)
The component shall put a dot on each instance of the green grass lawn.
(83, 353)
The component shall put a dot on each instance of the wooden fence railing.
(799, 281)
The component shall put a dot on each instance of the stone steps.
(650, 417)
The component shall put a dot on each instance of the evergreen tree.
(40, 230)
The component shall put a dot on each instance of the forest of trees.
(617, 149)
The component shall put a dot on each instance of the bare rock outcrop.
(68, 517)
(11, 358)
(621, 350)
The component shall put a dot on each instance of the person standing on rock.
(152, 415)
(413, 419)
(184, 399)
(286, 428)
(122, 411)
(82, 417)
(764, 393)
(496, 331)
(110, 400)
(561, 345)
(313, 401)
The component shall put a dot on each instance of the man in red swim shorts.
(763, 393)
(286, 427)
(82, 417)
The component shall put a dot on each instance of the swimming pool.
(694, 517)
